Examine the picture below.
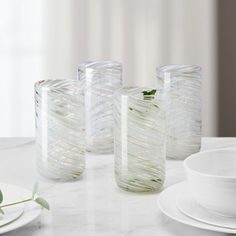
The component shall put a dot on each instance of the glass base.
(134, 185)
(58, 175)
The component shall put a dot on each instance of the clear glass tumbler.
(60, 129)
(100, 79)
(140, 139)
(181, 85)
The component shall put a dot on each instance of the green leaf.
(156, 106)
(1, 211)
(35, 189)
(42, 202)
(1, 197)
(150, 92)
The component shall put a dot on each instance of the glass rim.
(100, 65)
(57, 84)
(137, 90)
(178, 69)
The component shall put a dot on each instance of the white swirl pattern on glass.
(139, 133)
(182, 87)
(60, 129)
(100, 79)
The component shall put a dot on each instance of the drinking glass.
(140, 139)
(60, 129)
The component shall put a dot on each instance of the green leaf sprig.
(149, 93)
(39, 200)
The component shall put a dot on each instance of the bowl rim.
(187, 168)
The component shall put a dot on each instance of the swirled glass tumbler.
(181, 85)
(100, 79)
(60, 129)
(140, 140)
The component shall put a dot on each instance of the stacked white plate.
(17, 215)
(207, 199)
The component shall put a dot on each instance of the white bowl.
(211, 179)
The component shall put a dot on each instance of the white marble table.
(94, 205)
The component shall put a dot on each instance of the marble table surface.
(94, 205)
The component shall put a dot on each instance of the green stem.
(148, 97)
(15, 203)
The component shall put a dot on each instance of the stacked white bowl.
(211, 179)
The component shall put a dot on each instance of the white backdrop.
(44, 39)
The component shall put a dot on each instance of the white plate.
(187, 205)
(11, 213)
(31, 209)
(167, 204)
